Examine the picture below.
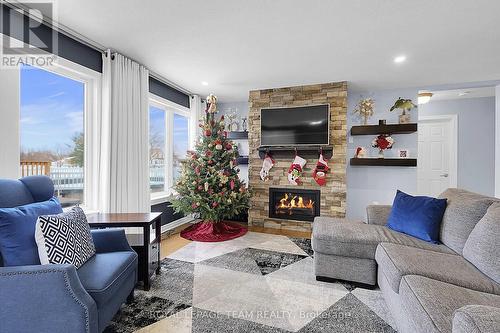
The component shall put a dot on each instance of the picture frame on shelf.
(403, 153)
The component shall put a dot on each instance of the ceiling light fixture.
(463, 93)
(204, 83)
(424, 97)
(400, 59)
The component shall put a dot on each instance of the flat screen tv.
(295, 126)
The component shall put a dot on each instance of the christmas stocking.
(266, 166)
(319, 173)
(295, 170)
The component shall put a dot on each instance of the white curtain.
(124, 137)
(196, 114)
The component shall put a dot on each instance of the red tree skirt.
(213, 232)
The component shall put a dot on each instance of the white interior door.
(436, 155)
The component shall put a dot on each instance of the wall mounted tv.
(295, 126)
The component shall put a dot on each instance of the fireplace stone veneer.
(333, 194)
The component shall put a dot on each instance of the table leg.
(158, 237)
(145, 263)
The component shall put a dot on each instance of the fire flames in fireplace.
(292, 203)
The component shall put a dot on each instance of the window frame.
(91, 81)
(170, 108)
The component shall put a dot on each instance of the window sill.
(162, 197)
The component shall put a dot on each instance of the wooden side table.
(149, 251)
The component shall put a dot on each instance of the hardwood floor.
(174, 241)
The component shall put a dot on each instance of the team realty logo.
(27, 38)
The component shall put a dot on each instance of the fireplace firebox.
(294, 204)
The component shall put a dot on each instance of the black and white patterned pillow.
(64, 238)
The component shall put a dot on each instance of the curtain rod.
(61, 28)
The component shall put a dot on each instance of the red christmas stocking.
(295, 170)
(266, 166)
(319, 173)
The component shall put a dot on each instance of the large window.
(157, 146)
(52, 130)
(181, 142)
(169, 140)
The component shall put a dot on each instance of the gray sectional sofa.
(449, 287)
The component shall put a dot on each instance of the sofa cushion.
(356, 239)
(476, 319)
(396, 261)
(64, 238)
(464, 210)
(105, 273)
(17, 231)
(417, 216)
(482, 248)
(430, 304)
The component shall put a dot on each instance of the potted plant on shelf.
(405, 105)
(364, 109)
(382, 142)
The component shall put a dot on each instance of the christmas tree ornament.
(319, 173)
(218, 146)
(295, 170)
(267, 164)
(208, 178)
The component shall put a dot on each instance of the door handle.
(445, 175)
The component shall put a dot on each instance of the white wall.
(9, 123)
(476, 140)
(368, 184)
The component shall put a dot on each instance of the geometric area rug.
(255, 283)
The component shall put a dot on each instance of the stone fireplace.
(294, 204)
(332, 196)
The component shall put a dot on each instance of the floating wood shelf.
(242, 160)
(404, 162)
(239, 135)
(303, 151)
(384, 129)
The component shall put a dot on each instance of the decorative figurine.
(360, 152)
(244, 124)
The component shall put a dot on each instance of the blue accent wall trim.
(168, 215)
(161, 89)
(67, 47)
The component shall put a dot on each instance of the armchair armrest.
(110, 240)
(48, 298)
(378, 214)
(476, 319)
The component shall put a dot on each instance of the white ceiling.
(240, 45)
(440, 95)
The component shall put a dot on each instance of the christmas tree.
(209, 186)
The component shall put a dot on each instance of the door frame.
(453, 119)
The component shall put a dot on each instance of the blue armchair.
(60, 298)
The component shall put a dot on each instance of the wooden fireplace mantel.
(289, 151)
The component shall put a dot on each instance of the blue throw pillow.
(419, 216)
(17, 231)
